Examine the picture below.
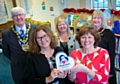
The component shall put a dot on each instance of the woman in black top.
(41, 65)
(107, 41)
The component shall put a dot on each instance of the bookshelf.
(73, 20)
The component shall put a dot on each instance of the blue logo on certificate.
(63, 61)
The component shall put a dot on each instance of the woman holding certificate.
(92, 62)
(41, 66)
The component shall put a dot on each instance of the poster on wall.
(3, 16)
(51, 11)
(108, 16)
(43, 5)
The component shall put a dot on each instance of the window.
(117, 4)
(98, 4)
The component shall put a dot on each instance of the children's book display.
(116, 30)
(70, 20)
(84, 19)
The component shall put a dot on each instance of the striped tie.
(22, 34)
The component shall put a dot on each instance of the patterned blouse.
(97, 61)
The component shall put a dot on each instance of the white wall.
(58, 5)
(45, 15)
(89, 4)
(73, 3)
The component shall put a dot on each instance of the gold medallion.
(24, 44)
(25, 47)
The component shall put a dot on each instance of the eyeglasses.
(42, 37)
(17, 15)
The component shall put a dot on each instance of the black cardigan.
(108, 42)
(38, 68)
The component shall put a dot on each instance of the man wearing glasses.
(15, 44)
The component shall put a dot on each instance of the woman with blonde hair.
(65, 39)
(107, 40)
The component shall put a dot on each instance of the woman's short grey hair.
(16, 9)
(100, 13)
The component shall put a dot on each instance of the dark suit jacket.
(38, 68)
(13, 51)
